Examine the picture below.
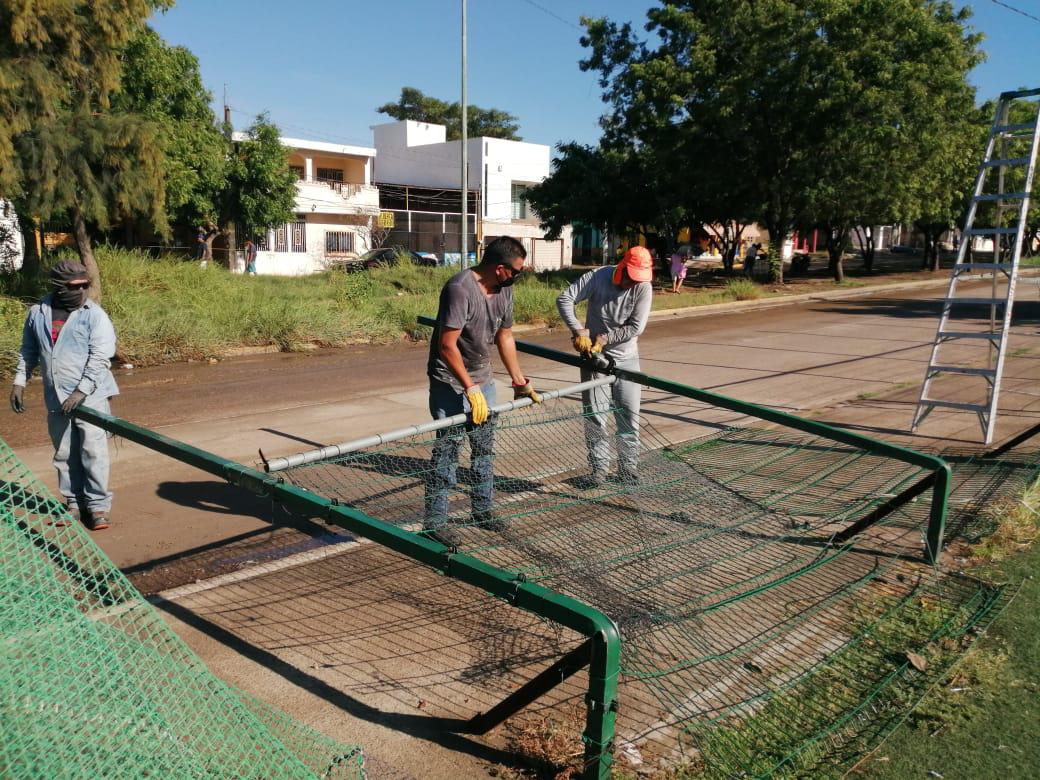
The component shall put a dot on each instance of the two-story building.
(418, 173)
(336, 208)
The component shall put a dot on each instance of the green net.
(755, 640)
(93, 683)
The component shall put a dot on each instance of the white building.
(415, 155)
(336, 206)
(12, 251)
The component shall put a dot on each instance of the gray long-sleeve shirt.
(620, 315)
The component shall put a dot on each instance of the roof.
(318, 146)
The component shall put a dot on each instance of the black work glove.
(16, 399)
(76, 397)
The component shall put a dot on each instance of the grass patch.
(983, 722)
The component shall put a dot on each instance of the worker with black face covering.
(72, 341)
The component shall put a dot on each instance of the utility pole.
(465, 152)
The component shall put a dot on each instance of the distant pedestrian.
(619, 307)
(749, 259)
(250, 249)
(72, 341)
(200, 246)
(678, 269)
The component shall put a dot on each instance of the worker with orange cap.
(619, 299)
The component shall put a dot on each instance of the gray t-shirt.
(464, 306)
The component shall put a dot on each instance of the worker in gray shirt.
(619, 305)
(475, 312)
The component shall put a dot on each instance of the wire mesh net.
(750, 629)
(93, 683)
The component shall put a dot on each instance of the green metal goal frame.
(601, 651)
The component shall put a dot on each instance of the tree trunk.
(776, 257)
(32, 261)
(867, 245)
(86, 253)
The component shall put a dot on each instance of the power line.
(319, 133)
(1017, 10)
(554, 15)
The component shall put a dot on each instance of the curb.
(827, 295)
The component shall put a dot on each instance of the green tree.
(575, 191)
(261, 190)
(62, 149)
(490, 122)
(163, 84)
(782, 109)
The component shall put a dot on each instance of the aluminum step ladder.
(1004, 221)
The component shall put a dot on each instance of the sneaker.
(443, 533)
(60, 521)
(99, 521)
(488, 521)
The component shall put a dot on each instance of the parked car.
(391, 255)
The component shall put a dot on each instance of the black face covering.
(61, 275)
(70, 300)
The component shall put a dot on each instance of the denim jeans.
(81, 458)
(624, 397)
(445, 401)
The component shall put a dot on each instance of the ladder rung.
(977, 301)
(962, 370)
(960, 334)
(1014, 128)
(1008, 161)
(1003, 196)
(983, 267)
(992, 231)
(954, 405)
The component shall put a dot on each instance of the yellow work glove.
(526, 391)
(478, 405)
(598, 346)
(582, 342)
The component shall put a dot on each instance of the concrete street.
(857, 361)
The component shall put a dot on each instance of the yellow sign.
(386, 219)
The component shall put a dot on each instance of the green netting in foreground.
(754, 642)
(94, 684)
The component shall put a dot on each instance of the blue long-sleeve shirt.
(78, 360)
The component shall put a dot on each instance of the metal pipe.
(465, 151)
(336, 450)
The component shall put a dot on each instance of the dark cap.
(68, 271)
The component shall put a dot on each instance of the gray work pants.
(623, 397)
(81, 458)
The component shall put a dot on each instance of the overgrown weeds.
(1016, 523)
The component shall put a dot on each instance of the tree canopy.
(490, 122)
(791, 113)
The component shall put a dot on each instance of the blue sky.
(320, 67)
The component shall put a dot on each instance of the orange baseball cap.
(638, 263)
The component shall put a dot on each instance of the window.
(330, 174)
(299, 236)
(298, 170)
(338, 242)
(520, 209)
(293, 234)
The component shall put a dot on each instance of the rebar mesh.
(722, 567)
(93, 683)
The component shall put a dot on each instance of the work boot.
(98, 521)
(487, 520)
(443, 533)
(627, 476)
(594, 479)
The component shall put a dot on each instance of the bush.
(743, 290)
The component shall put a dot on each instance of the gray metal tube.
(336, 450)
